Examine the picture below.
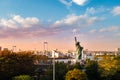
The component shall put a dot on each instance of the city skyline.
(27, 24)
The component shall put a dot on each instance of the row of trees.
(61, 69)
(18, 63)
(106, 69)
(12, 65)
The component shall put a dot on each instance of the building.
(5, 49)
(0, 49)
(87, 55)
(56, 54)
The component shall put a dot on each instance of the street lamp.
(53, 52)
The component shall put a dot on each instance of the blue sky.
(31, 22)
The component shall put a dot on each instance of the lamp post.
(53, 52)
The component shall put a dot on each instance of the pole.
(54, 65)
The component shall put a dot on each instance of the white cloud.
(98, 10)
(26, 22)
(80, 35)
(66, 2)
(93, 31)
(69, 3)
(77, 21)
(90, 10)
(103, 30)
(116, 10)
(74, 30)
(80, 2)
(58, 23)
(17, 21)
(71, 19)
(110, 29)
(19, 27)
(8, 23)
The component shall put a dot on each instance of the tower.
(45, 45)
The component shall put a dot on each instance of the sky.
(27, 24)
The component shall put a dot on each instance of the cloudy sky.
(28, 23)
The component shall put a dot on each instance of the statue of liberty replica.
(78, 49)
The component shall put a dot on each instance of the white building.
(56, 54)
(87, 55)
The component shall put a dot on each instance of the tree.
(110, 68)
(13, 64)
(116, 62)
(40, 59)
(23, 77)
(92, 70)
(60, 71)
(77, 65)
(76, 74)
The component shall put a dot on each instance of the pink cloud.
(19, 27)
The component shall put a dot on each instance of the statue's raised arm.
(75, 40)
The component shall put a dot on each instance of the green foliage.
(110, 68)
(20, 63)
(76, 74)
(12, 64)
(76, 65)
(41, 58)
(60, 70)
(92, 70)
(23, 77)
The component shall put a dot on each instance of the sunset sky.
(26, 24)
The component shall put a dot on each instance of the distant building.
(5, 49)
(87, 55)
(71, 54)
(55, 54)
(69, 61)
(117, 51)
